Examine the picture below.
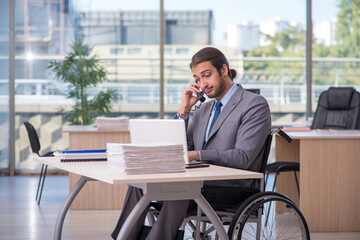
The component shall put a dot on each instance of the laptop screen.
(159, 130)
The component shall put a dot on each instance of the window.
(44, 31)
(134, 51)
(252, 38)
(4, 86)
(182, 51)
(116, 51)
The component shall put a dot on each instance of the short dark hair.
(215, 57)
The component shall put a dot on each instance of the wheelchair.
(263, 215)
(260, 217)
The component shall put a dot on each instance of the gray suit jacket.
(237, 138)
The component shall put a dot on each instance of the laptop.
(159, 130)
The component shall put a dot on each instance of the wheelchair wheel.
(257, 218)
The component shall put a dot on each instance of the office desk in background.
(162, 186)
(329, 177)
(292, 124)
(96, 195)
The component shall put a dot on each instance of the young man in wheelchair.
(229, 130)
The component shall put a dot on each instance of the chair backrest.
(255, 184)
(338, 108)
(266, 147)
(33, 137)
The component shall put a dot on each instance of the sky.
(227, 11)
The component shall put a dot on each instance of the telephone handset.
(200, 96)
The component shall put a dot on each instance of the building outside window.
(267, 46)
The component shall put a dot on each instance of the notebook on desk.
(81, 155)
(158, 130)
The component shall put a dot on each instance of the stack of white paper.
(145, 158)
(107, 123)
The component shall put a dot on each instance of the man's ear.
(224, 70)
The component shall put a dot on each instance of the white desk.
(164, 186)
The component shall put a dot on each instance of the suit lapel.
(229, 107)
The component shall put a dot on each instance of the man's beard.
(221, 88)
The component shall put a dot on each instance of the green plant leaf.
(82, 70)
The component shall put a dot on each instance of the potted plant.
(81, 71)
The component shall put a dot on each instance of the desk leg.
(133, 217)
(65, 207)
(164, 192)
(210, 213)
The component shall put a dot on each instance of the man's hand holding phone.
(190, 97)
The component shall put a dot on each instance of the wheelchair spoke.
(284, 231)
(252, 233)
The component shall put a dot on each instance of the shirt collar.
(228, 95)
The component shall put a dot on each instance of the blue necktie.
(216, 114)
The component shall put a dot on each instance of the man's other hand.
(193, 155)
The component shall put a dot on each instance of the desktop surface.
(325, 134)
(89, 128)
(101, 172)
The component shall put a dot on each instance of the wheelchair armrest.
(282, 134)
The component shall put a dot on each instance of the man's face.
(210, 81)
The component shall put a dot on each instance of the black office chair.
(35, 147)
(338, 108)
